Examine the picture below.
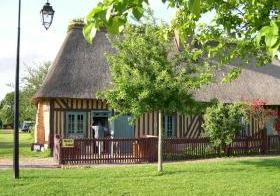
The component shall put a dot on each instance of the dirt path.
(30, 163)
(50, 163)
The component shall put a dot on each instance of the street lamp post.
(47, 17)
(16, 113)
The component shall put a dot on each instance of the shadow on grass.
(137, 175)
(54, 177)
(233, 167)
(242, 166)
(10, 145)
(263, 163)
(6, 132)
(205, 171)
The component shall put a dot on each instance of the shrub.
(223, 122)
(257, 110)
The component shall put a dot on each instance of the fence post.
(246, 151)
(268, 144)
(60, 152)
(228, 149)
(264, 141)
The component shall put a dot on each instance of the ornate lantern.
(47, 15)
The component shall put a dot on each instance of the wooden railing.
(246, 146)
(181, 148)
(273, 144)
(178, 148)
(101, 151)
(114, 151)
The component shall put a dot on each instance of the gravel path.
(30, 163)
(50, 163)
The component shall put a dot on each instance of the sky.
(37, 44)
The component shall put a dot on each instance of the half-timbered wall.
(185, 126)
(59, 107)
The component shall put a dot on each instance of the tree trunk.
(160, 143)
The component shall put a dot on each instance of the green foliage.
(111, 15)
(223, 122)
(31, 83)
(270, 33)
(145, 77)
(257, 110)
(241, 29)
(6, 109)
(35, 76)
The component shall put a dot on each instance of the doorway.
(101, 117)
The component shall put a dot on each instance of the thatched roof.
(253, 83)
(79, 69)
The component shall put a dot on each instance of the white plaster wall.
(46, 111)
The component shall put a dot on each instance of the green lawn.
(6, 145)
(258, 176)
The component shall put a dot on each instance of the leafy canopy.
(31, 82)
(7, 110)
(223, 122)
(144, 78)
(241, 29)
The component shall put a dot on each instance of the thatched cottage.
(67, 104)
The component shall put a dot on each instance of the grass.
(257, 176)
(25, 140)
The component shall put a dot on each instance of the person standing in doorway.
(99, 134)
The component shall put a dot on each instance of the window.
(71, 123)
(80, 123)
(169, 125)
(75, 123)
(245, 131)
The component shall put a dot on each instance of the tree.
(7, 109)
(250, 26)
(35, 76)
(223, 122)
(145, 78)
(257, 110)
(31, 83)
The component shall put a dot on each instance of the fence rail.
(98, 151)
(104, 151)
(273, 144)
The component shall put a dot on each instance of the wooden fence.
(101, 151)
(178, 149)
(114, 151)
(273, 144)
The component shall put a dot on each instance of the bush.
(223, 122)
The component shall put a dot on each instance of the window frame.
(169, 126)
(78, 126)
